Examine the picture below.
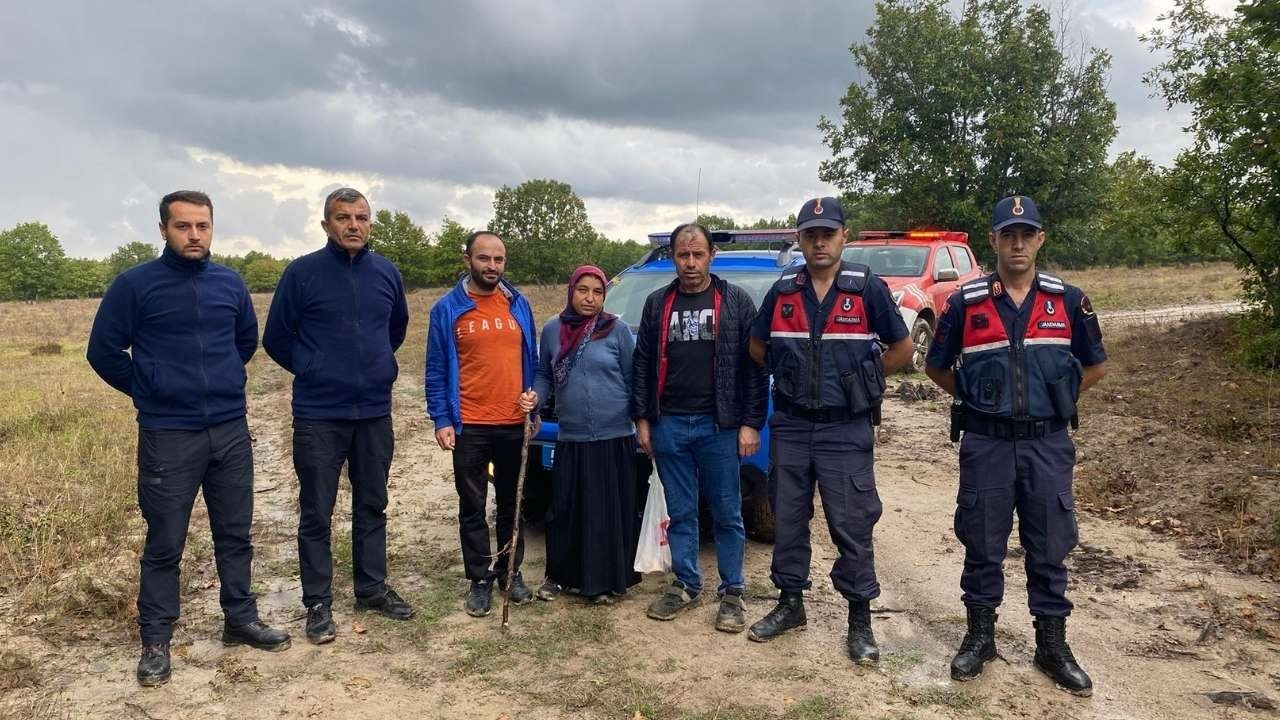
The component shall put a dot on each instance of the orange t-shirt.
(489, 362)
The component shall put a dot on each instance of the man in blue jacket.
(336, 320)
(481, 354)
(174, 334)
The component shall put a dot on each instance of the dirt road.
(1147, 623)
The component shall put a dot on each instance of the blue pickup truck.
(754, 270)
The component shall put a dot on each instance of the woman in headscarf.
(584, 363)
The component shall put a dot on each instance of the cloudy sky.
(431, 106)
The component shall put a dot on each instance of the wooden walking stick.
(515, 525)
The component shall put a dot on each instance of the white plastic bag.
(653, 554)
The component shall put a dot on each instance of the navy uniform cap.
(820, 212)
(1014, 210)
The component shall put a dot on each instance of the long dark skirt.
(592, 528)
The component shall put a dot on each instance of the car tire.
(757, 510)
(921, 339)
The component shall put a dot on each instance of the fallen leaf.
(358, 627)
(505, 716)
(788, 702)
(638, 716)
(359, 682)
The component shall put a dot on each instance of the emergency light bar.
(947, 235)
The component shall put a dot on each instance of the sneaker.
(153, 666)
(320, 625)
(256, 635)
(388, 604)
(601, 599)
(672, 602)
(549, 590)
(478, 598)
(732, 616)
(520, 593)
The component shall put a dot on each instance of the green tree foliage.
(542, 223)
(262, 273)
(1134, 224)
(404, 243)
(31, 263)
(85, 277)
(1226, 70)
(959, 111)
(130, 254)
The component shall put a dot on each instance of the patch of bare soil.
(1159, 629)
(1182, 442)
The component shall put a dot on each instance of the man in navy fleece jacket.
(336, 320)
(174, 334)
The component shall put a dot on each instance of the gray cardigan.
(595, 402)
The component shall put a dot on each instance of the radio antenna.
(697, 203)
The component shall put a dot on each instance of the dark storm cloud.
(251, 79)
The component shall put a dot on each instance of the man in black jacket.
(699, 403)
(337, 318)
(174, 334)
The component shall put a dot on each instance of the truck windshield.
(626, 297)
(889, 260)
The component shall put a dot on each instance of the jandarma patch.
(1051, 325)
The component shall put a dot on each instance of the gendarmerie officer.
(823, 330)
(1027, 345)
(174, 334)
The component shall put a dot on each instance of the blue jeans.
(692, 454)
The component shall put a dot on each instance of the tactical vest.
(1037, 379)
(836, 366)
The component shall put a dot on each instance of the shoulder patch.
(852, 277)
(787, 283)
(975, 291)
(1051, 284)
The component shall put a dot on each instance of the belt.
(1004, 429)
(817, 415)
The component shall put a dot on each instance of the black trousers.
(477, 446)
(173, 465)
(320, 447)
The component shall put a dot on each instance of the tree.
(959, 111)
(262, 272)
(130, 254)
(31, 263)
(1225, 68)
(542, 221)
(446, 253)
(397, 238)
(84, 277)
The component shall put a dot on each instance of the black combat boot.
(979, 645)
(256, 634)
(1054, 658)
(862, 642)
(788, 614)
(153, 666)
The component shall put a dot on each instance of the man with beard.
(481, 355)
(175, 334)
(336, 320)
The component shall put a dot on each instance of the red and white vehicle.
(921, 268)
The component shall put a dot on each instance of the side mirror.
(947, 275)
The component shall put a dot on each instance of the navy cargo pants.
(1032, 477)
(320, 447)
(837, 459)
(173, 465)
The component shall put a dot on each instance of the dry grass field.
(1157, 287)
